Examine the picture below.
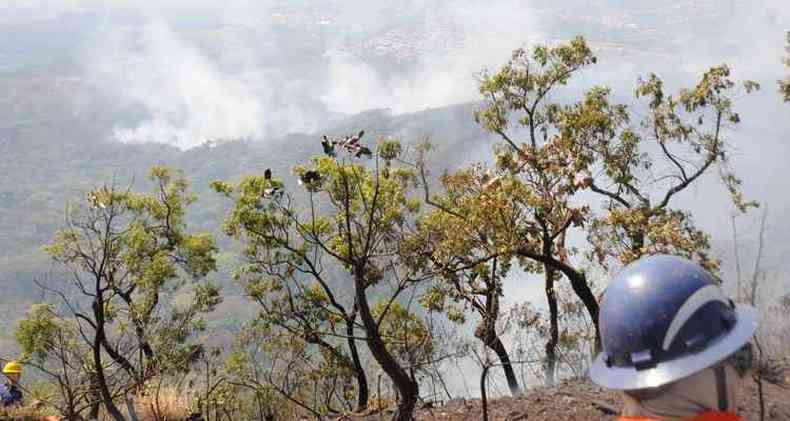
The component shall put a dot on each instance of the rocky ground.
(576, 401)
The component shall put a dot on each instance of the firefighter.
(673, 345)
(10, 395)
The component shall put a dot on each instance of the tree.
(126, 251)
(576, 337)
(530, 202)
(523, 206)
(52, 345)
(409, 339)
(467, 245)
(287, 279)
(770, 355)
(282, 374)
(639, 171)
(357, 220)
(784, 85)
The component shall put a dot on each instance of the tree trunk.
(757, 260)
(362, 380)
(95, 395)
(98, 340)
(408, 390)
(498, 347)
(130, 408)
(484, 392)
(486, 331)
(551, 345)
(585, 294)
(102, 383)
(93, 414)
(637, 242)
(761, 397)
(579, 284)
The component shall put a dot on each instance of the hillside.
(46, 165)
(578, 400)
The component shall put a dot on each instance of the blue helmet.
(664, 318)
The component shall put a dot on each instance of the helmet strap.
(721, 386)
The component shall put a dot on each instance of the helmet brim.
(628, 378)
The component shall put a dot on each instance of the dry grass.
(168, 404)
(574, 400)
(19, 414)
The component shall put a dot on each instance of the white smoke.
(187, 95)
(449, 45)
(356, 86)
(199, 70)
(229, 81)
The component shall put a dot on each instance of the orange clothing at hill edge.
(708, 416)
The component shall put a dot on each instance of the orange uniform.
(708, 416)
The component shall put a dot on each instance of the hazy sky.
(205, 69)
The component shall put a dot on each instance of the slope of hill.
(45, 165)
(579, 400)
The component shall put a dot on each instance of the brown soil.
(576, 400)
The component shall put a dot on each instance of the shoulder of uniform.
(708, 416)
(717, 416)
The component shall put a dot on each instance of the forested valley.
(371, 268)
